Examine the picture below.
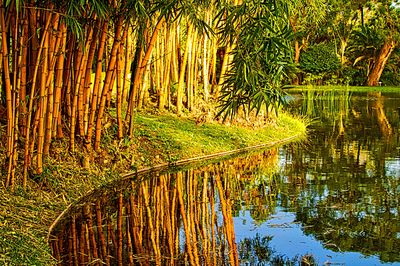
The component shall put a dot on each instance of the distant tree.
(374, 42)
(320, 59)
(305, 18)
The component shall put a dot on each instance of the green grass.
(25, 216)
(347, 88)
(182, 138)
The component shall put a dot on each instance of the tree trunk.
(380, 62)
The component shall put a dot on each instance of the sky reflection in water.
(351, 167)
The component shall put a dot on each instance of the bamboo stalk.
(54, 46)
(62, 34)
(139, 73)
(9, 98)
(107, 82)
(27, 153)
(87, 77)
(77, 97)
(43, 99)
(120, 88)
(181, 85)
(23, 73)
(96, 85)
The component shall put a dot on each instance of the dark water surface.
(333, 200)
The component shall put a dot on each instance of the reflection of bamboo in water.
(55, 247)
(213, 222)
(136, 222)
(152, 230)
(82, 238)
(119, 229)
(144, 228)
(179, 183)
(110, 238)
(87, 211)
(192, 210)
(203, 219)
(227, 214)
(74, 241)
(168, 217)
(103, 249)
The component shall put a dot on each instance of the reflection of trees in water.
(379, 110)
(368, 137)
(347, 211)
(351, 203)
(251, 184)
(179, 218)
(143, 225)
(187, 217)
(348, 227)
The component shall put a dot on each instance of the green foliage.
(319, 59)
(353, 76)
(261, 57)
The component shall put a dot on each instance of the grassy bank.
(26, 215)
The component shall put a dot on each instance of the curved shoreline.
(165, 166)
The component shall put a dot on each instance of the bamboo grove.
(70, 68)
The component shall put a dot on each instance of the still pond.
(330, 200)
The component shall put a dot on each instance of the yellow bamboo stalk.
(54, 46)
(9, 98)
(31, 100)
(81, 80)
(107, 82)
(181, 84)
(42, 102)
(96, 85)
(62, 34)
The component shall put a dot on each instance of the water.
(333, 200)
